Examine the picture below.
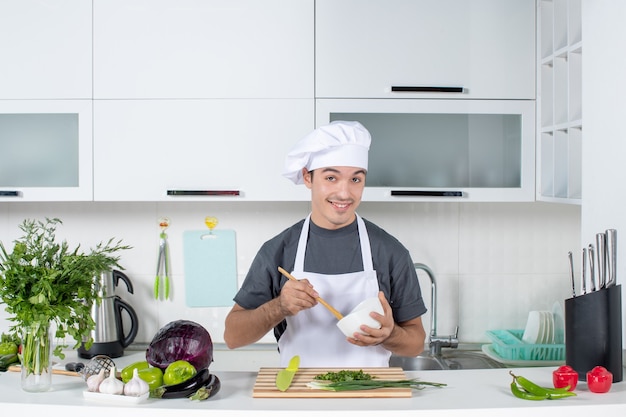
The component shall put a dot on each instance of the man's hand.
(296, 296)
(372, 335)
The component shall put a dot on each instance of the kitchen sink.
(449, 359)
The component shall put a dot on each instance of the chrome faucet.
(436, 342)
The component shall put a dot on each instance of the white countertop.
(469, 393)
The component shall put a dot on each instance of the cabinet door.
(45, 48)
(203, 49)
(230, 149)
(45, 150)
(364, 48)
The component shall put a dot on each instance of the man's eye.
(356, 179)
(330, 178)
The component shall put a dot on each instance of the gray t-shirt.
(335, 252)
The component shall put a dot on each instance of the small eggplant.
(185, 388)
(208, 390)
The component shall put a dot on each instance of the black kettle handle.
(117, 275)
(124, 339)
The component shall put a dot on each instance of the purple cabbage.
(181, 340)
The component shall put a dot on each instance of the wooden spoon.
(319, 299)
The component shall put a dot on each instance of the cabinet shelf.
(559, 101)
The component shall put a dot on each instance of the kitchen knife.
(611, 257)
(601, 254)
(285, 376)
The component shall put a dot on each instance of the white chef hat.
(339, 143)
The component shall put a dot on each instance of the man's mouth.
(340, 205)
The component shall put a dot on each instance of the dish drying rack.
(508, 344)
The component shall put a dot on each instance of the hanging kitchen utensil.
(319, 299)
(163, 263)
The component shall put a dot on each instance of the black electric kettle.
(109, 337)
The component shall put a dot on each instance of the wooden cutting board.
(265, 385)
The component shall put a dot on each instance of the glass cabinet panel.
(476, 150)
(442, 150)
(46, 150)
(39, 150)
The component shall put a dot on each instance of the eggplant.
(185, 388)
(208, 390)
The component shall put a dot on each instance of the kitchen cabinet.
(559, 101)
(172, 150)
(444, 150)
(367, 49)
(46, 150)
(203, 49)
(46, 49)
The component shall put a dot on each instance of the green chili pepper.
(523, 388)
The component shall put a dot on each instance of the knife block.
(593, 332)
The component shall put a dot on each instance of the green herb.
(43, 281)
(356, 385)
(344, 375)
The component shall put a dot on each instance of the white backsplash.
(493, 261)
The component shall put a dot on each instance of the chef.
(336, 255)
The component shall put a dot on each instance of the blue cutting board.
(210, 267)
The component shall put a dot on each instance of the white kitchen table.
(468, 393)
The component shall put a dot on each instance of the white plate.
(559, 323)
(533, 329)
(114, 399)
(489, 352)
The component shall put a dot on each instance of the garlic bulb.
(111, 385)
(93, 382)
(136, 387)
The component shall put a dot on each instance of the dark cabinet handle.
(415, 193)
(203, 192)
(425, 89)
(9, 193)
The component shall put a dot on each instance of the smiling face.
(335, 195)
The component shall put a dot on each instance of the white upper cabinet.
(484, 47)
(45, 49)
(203, 49)
(190, 150)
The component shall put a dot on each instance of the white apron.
(313, 334)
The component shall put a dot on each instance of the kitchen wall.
(493, 261)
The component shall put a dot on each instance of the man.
(336, 255)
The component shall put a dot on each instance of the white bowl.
(359, 316)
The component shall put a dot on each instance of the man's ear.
(307, 177)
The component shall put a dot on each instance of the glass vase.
(36, 357)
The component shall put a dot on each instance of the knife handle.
(601, 254)
(611, 256)
(592, 269)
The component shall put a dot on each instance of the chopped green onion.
(371, 384)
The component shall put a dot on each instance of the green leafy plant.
(45, 282)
